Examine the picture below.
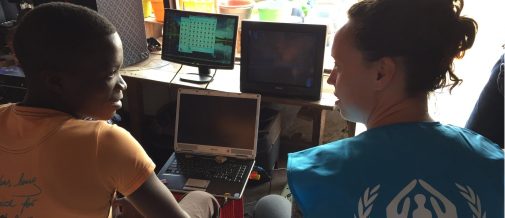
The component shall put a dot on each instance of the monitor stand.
(203, 76)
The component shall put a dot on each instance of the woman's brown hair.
(426, 34)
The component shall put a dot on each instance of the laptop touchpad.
(196, 184)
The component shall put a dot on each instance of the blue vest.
(403, 170)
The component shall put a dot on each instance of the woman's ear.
(386, 71)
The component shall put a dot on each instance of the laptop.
(214, 144)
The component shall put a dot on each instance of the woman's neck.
(410, 109)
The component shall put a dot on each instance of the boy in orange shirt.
(56, 161)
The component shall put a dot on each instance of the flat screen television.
(283, 59)
(203, 40)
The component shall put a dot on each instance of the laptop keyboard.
(208, 168)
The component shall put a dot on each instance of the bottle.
(147, 8)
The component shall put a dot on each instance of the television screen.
(199, 39)
(282, 58)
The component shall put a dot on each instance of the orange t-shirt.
(53, 165)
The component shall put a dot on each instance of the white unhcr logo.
(365, 203)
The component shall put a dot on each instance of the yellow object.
(159, 10)
(147, 7)
(208, 6)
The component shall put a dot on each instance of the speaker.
(269, 133)
(128, 18)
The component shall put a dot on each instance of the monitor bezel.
(285, 90)
(192, 62)
(181, 146)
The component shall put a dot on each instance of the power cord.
(147, 68)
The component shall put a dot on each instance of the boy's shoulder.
(5, 106)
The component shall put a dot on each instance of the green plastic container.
(269, 14)
(271, 10)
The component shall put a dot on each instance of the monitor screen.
(282, 58)
(199, 39)
(217, 121)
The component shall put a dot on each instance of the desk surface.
(155, 69)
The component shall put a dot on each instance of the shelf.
(153, 28)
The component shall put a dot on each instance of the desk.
(155, 69)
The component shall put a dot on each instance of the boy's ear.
(53, 81)
(385, 72)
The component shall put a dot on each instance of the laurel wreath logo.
(473, 200)
(365, 203)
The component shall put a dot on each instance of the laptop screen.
(217, 119)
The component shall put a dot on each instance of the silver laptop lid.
(217, 123)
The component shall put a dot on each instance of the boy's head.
(71, 56)
(57, 36)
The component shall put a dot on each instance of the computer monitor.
(203, 40)
(8, 12)
(282, 59)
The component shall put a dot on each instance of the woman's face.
(352, 77)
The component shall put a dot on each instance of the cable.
(176, 72)
(252, 202)
(179, 69)
(270, 187)
(147, 68)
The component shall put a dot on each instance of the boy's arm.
(153, 199)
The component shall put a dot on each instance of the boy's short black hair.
(56, 36)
